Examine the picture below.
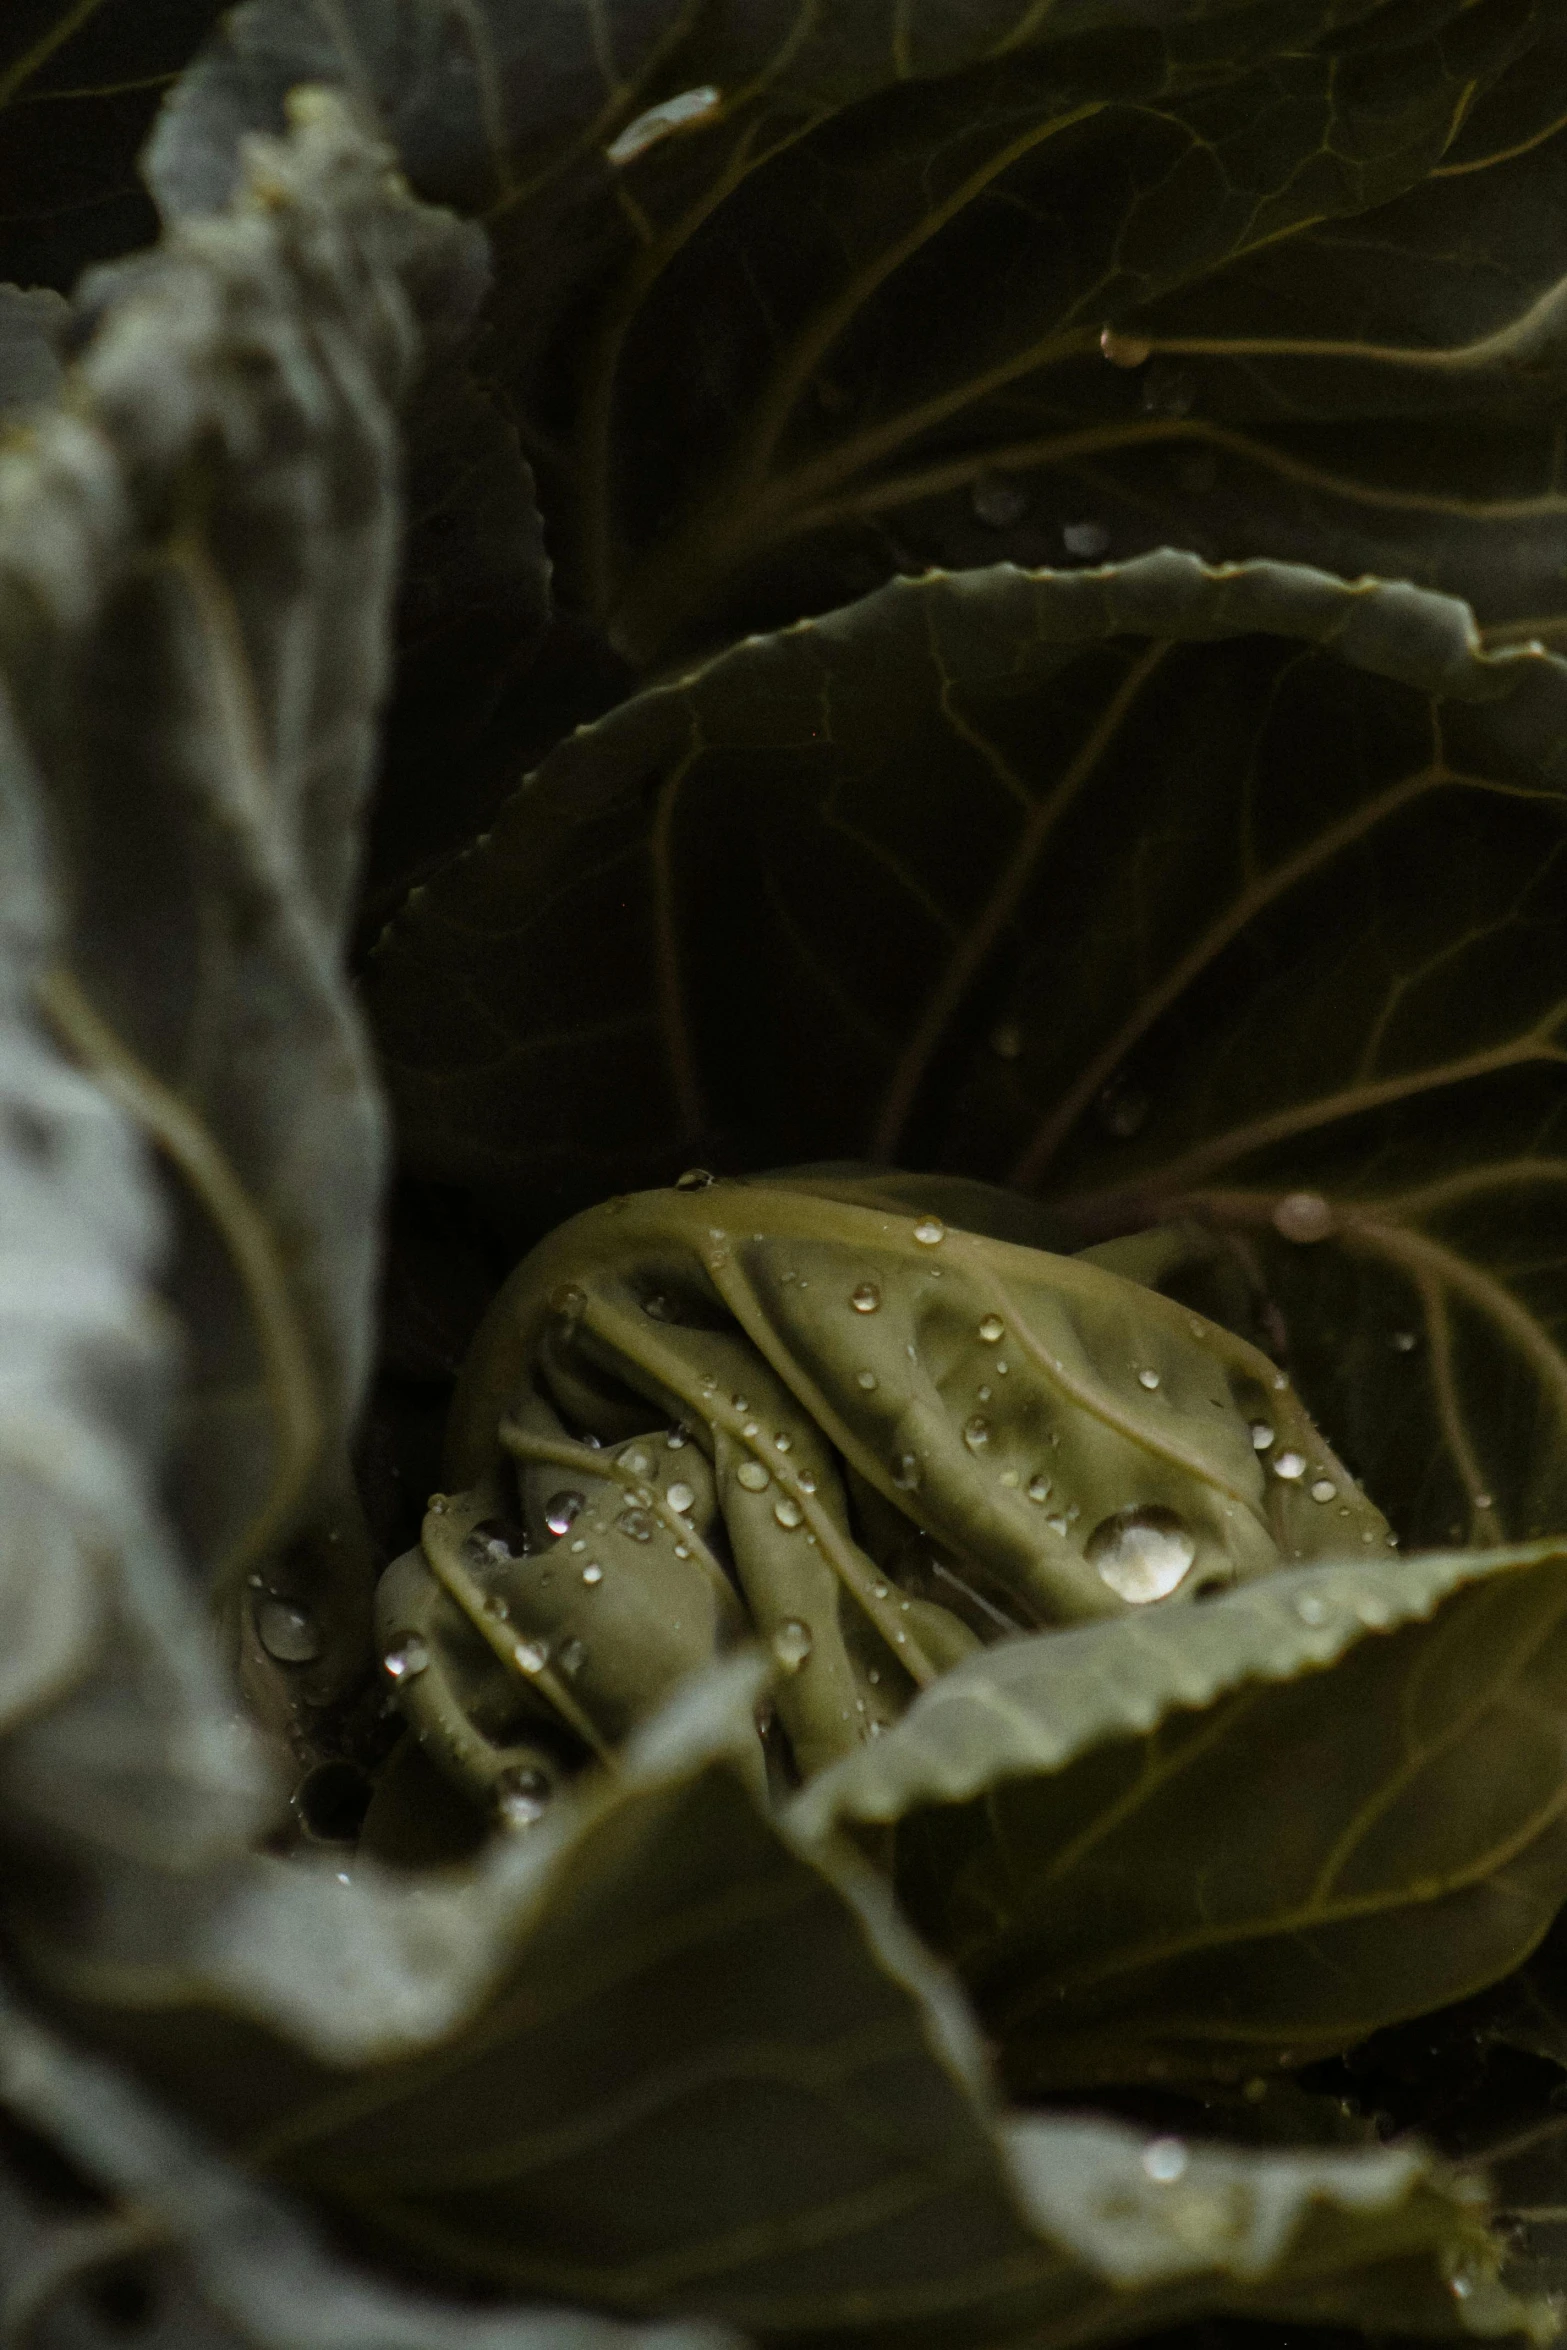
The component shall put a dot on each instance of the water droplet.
(522, 1796)
(680, 1497)
(1165, 2160)
(1002, 1369)
(678, 1438)
(636, 1524)
(1006, 1041)
(807, 1481)
(407, 1658)
(867, 1380)
(593, 1572)
(929, 1230)
(562, 1510)
(976, 1432)
(568, 1299)
(287, 1631)
(752, 1476)
(695, 1179)
(1289, 1466)
(866, 1298)
(1167, 390)
(635, 1461)
(657, 1308)
(1324, 1489)
(1403, 1342)
(1311, 1609)
(1483, 1501)
(740, 1402)
(436, 1505)
(1056, 1522)
(1261, 1435)
(497, 1606)
(1303, 1216)
(787, 1510)
(494, 1543)
(1038, 1487)
(992, 1330)
(1123, 350)
(792, 1643)
(1088, 540)
(1122, 1110)
(532, 1656)
(783, 1441)
(1148, 1379)
(670, 114)
(906, 1471)
(572, 1657)
(1142, 1554)
(997, 502)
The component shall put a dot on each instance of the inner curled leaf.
(813, 1416)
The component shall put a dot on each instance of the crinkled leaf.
(1164, 892)
(869, 1439)
(846, 318)
(197, 552)
(657, 2058)
(1179, 1846)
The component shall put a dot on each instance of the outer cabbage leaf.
(1177, 1847)
(1166, 892)
(840, 311)
(655, 2057)
(197, 556)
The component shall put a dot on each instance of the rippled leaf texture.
(658, 2059)
(1163, 893)
(848, 320)
(80, 82)
(197, 552)
(1176, 1847)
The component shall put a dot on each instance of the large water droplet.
(1165, 2160)
(929, 1230)
(1148, 1379)
(287, 1631)
(992, 1329)
(681, 1497)
(792, 1644)
(496, 1543)
(866, 1298)
(695, 1179)
(1087, 540)
(562, 1510)
(532, 1655)
(1123, 350)
(998, 502)
(1289, 1466)
(1303, 1216)
(752, 1476)
(1142, 1554)
(522, 1796)
(408, 1656)
(787, 1510)
(1324, 1489)
(976, 1432)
